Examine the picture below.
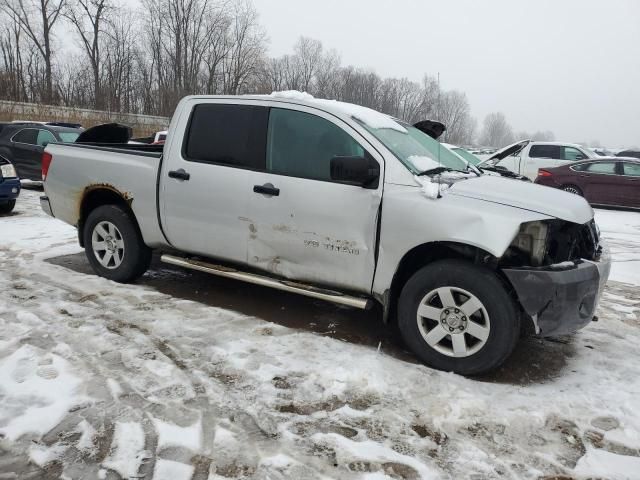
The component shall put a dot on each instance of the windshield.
(415, 149)
(468, 156)
(68, 137)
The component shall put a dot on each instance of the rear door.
(304, 225)
(541, 156)
(26, 154)
(205, 178)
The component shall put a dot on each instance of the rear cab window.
(545, 151)
(227, 134)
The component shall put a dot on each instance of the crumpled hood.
(528, 196)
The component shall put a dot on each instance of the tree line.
(144, 61)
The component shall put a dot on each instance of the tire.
(114, 246)
(474, 338)
(572, 189)
(7, 207)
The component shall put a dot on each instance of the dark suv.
(23, 144)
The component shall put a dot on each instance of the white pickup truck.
(527, 157)
(342, 203)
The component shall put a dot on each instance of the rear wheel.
(458, 317)
(7, 207)
(113, 244)
(572, 189)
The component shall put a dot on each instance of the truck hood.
(528, 196)
(497, 157)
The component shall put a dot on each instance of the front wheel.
(458, 317)
(7, 207)
(114, 246)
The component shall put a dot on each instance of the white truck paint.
(526, 157)
(355, 237)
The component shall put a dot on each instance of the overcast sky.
(570, 66)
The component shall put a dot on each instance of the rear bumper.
(46, 205)
(561, 301)
(9, 189)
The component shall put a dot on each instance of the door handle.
(180, 174)
(266, 189)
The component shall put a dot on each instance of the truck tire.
(114, 246)
(458, 317)
(7, 207)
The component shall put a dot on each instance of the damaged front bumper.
(561, 299)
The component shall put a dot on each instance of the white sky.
(570, 66)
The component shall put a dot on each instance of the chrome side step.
(288, 286)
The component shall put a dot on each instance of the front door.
(306, 226)
(205, 180)
(630, 185)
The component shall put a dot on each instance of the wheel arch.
(422, 255)
(98, 195)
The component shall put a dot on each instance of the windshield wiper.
(438, 170)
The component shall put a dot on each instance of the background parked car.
(607, 181)
(9, 186)
(629, 153)
(23, 144)
(526, 157)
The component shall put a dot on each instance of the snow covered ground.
(170, 379)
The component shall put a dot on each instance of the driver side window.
(573, 154)
(300, 144)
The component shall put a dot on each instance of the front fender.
(410, 219)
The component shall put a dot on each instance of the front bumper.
(561, 300)
(46, 205)
(9, 189)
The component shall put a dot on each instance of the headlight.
(8, 171)
(532, 239)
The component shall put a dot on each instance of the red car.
(603, 181)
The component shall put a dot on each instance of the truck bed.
(128, 170)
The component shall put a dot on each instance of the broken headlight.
(532, 241)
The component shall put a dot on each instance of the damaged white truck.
(345, 204)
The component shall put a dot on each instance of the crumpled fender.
(482, 224)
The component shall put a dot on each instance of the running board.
(285, 285)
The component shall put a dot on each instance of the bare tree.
(36, 18)
(496, 131)
(247, 48)
(12, 82)
(89, 18)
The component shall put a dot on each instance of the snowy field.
(184, 376)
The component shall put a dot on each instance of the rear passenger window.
(545, 151)
(302, 145)
(28, 135)
(232, 135)
(602, 167)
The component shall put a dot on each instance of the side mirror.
(361, 171)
